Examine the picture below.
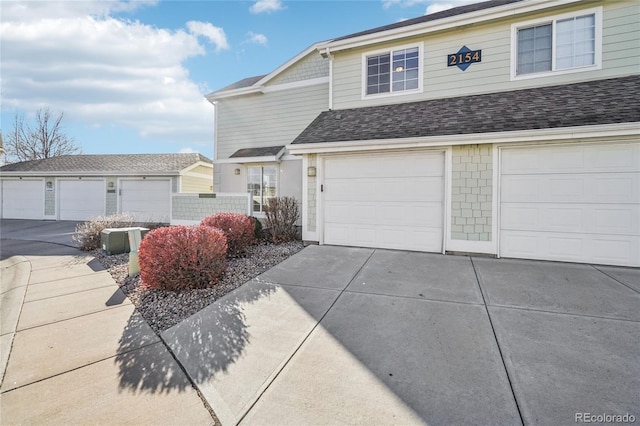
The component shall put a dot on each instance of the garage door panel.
(375, 166)
(23, 199)
(576, 203)
(589, 218)
(423, 188)
(605, 249)
(579, 188)
(385, 200)
(573, 159)
(81, 199)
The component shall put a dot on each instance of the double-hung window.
(261, 184)
(565, 43)
(392, 71)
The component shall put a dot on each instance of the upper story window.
(566, 43)
(392, 71)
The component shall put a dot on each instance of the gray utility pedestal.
(116, 240)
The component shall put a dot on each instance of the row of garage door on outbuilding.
(81, 187)
(85, 198)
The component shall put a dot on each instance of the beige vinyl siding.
(269, 119)
(311, 66)
(197, 180)
(621, 52)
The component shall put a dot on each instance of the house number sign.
(463, 58)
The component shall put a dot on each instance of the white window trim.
(596, 11)
(420, 47)
(262, 214)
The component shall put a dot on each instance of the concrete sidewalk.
(338, 335)
(74, 350)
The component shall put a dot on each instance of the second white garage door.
(577, 203)
(148, 200)
(392, 200)
(81, 199)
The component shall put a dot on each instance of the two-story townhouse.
(507, 127)
(257, 117)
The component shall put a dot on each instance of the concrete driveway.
(338, 335)
(333, 335)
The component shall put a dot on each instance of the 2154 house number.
(461, 58)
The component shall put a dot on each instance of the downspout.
(330, 56)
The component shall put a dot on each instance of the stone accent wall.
(192, 208)
(50, 198)
(471, 189)
(311, 196)
(311, 66)
(112, 197)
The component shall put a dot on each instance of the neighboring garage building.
(80, 187)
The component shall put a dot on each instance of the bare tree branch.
(45, 139)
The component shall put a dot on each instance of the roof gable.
(460, 10)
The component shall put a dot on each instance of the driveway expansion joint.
(615, 279)
(495, 336)
(566, 314)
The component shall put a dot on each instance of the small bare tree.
(44, 139)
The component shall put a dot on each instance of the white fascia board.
(484, 15)
(90, 174)
(539, 135)
(295, 84)
(212, 97)
(287, 64)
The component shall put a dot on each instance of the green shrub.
(182, 257)
(88, 233)
(258, 233)
(238, 228)
(282, 214)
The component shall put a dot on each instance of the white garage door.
(385, 200)
(23, 199)
(571, 203)
(149, 200)
(81, 199)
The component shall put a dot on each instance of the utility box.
(116, 240)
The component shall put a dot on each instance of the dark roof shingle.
(124, 163)
(257, 152)
(609, 101)
(245, 82)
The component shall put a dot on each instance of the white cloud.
(439, 6)
(257, 38)
(215, 35)
(402, 3)
(187, 151)
(105, 71)
(266, 6)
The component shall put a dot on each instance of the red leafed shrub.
(182, 257)
(238, 228)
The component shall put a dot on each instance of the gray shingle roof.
(257, 152)
(432, 17)
(124, 163)
(609, 101)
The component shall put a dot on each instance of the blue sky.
(130, 76)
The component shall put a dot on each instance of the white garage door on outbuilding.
(81, 199)
(23, 198)
(577, 203)
(149, 200)
(390, 200)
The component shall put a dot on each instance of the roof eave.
(32, 173)
(493, 13)
(622, 130)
